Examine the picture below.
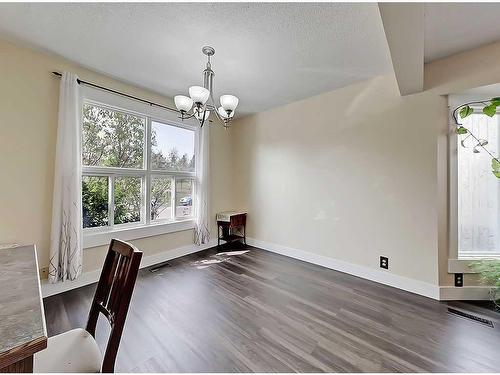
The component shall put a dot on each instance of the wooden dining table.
(22, 321)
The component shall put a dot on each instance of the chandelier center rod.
(208, 73)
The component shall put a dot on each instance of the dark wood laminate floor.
(262, 312)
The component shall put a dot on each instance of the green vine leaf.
(490, 110)
(495, 164)
(466, 111)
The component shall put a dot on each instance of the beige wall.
(361, 171)
(350, 174)
(28, 108)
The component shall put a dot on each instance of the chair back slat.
(107, 276)
(116, 289)
(113, 294)
(115, 283)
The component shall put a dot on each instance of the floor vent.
(158, 267)
(474, 318)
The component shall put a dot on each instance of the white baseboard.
(93, 276)
(464, 293)
(383, 277)
(444, 293)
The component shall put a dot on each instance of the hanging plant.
(489, 108)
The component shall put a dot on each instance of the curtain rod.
(81, 82)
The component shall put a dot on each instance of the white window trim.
(146, 228)
(458, 263)
(103, 237)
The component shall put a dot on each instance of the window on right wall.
(478, 190)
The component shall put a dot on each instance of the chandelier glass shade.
(200, 102)
(183, 103)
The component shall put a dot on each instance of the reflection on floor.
(254, 311)
(217, 258)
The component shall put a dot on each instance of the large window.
(478, 190)
(136, 170)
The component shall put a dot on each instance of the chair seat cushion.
(72, 351)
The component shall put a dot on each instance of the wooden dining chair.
(77, 350)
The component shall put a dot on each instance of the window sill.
(462, 265)
(93, 239)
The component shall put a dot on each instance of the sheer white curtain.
(65, 240)
(478, 190)
(202, 231)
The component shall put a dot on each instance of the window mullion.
(147, 179)
(111, 202)
(173, 195)
(194, 187)
(158, 173)
(103, 171)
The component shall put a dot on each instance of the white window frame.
(458, 263)
(146, 227)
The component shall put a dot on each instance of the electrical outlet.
(384, 262)
(44, 273)
(459, 279)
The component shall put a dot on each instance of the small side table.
(231, 226)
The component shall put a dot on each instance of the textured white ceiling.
(456, 27)
(267, 54)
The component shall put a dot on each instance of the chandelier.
(200, 102)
